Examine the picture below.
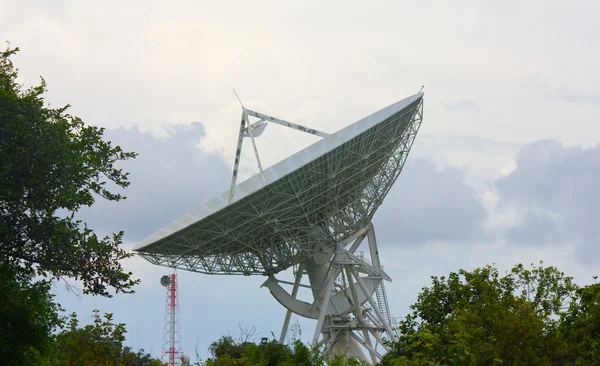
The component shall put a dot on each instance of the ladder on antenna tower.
(382, 302)
(379, 291)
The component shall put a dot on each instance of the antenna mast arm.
(246, 130)
(281, 122)
(238, 153)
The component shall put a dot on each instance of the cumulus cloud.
(577, 96)
(428, 204)
(169, 177)
(556, 188)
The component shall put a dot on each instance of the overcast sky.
(504, 170)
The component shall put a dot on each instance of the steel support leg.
(373, 249)
(238, 154)
(374, 305)
(324, 304)
(288, 315)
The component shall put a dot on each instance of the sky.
(504, 169)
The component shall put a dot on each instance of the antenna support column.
(349, 301)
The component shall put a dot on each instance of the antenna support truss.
(350, 303)
(254, 130)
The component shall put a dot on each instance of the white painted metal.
(288, 314)
(238, 155)
(255, 130)
(260, 169)
(295, 126)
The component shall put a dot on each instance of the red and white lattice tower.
(171, 352)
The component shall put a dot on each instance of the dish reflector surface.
(312, 200)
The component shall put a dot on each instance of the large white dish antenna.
(319, 195)
(311, 212)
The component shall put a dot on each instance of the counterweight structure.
(172, 354)
(311, 212)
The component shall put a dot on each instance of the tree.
(28, 317)
(581, 327)
(139, 358)
(100, 343)
(483, 318)
(52, 165)
(227, 352)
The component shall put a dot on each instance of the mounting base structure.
(349, 299)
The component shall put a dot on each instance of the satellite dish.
(309, 212)
(256, 130)
(165, 281)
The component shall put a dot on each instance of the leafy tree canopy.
(28, 317)
(52, 165)
(580, 326)
(528, 316)
(228, 352)
(100, 343)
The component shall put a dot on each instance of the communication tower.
(171, 352)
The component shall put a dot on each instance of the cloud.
(535, 228)
(567, 92)
(556, 187)
(427, 204)
(169, 177)
(577, 96)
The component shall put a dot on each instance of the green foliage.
(483, 318)
(34, 334)
(426, 348)
(302, 354)
(227, 352)
(100, 343)
(581, 327)
(139, 358)
(340, 360)
(52, 165)
(28, 317)
(97, 344)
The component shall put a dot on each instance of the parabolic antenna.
(310, 212)
(165, 281)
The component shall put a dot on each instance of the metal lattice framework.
(172, 354)
(312, 208)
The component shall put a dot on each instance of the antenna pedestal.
(349, 301)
